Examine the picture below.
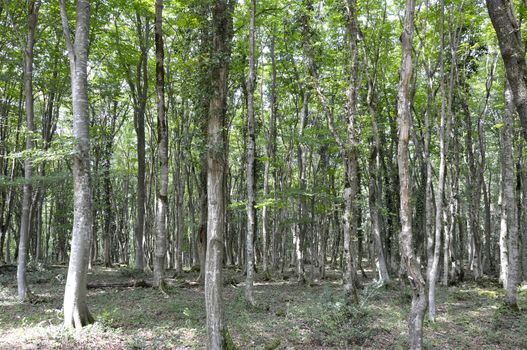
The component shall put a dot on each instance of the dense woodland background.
(297, 144)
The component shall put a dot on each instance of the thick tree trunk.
(251, 162)
(512, 49)
(76, 312)
(217, 333)
(23, 291)
(417, 283)
(162, 147)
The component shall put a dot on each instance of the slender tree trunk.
(524, 230)
(417, 283)
(162, 136)
(509, 202)
(76, 313)
(374, 191)
(272, 152)
(351, 190)
(217, 334)
(444, 134)
(23, 290)
(251, 162)
(108, 212)
(140, 90)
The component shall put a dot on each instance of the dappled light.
(263, 174)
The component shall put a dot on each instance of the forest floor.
(470, 315)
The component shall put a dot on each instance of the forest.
(263, 174)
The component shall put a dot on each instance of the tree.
(76, 313)
(417, 283)
(217, 333)
(23, 291)
(510, 207)
(162, 134)
(251, 162)
(508, 32)
(512, 50)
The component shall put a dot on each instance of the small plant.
(126, 271)
(107, 317)
(335, 321)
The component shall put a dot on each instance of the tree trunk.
(251, 162)
(374, 190)
(417, 283)
(524, 231)
(162, 147)
(217, 334)
(140, 90)
(76, 312)
(509, 202)
(109, 227)
(23, 291)
(512, 50)
(444, 136)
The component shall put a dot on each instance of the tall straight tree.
(443, 137)
(23, 291)
(222, 31)
(138, 86)
(512, 50)
(417, 283)
(351, 189)
(251, 162)
(162, 148)
(76, 313)
(510, 208)
(140, 91)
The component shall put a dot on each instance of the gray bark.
(76, 313)
(162, 147)
(251, 162)
(217, 333)
(509, 202)
(375, 195)
(512, 50)
(23, 291)
(408, 259)
(140, 90)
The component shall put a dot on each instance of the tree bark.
(251, 163)
(217, 334)
(417, 283)
(162, 147)
(512, 50)
(23, 291)
(139, 92)
(76, 313)
(375, 195)
(510, 211)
